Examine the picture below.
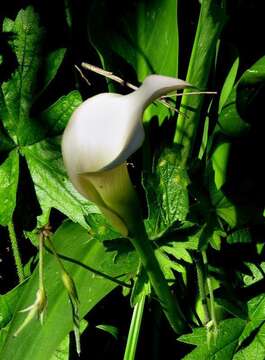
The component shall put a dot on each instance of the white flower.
(100, 136)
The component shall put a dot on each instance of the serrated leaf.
(166, 192)
(52, 186)
(167, 265)
(9, 171)
(226, 342)
(144, 34)
(70, 240)
(19, 91)
(256, 305)
(55, 118)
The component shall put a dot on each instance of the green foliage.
(211, 22)
(167, 194)
(8, 186)
(191, 205)
(145, 35)
(72, 242)
(235, 117)
(226, 343)
(52, 186)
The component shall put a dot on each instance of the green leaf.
(51, 64)
(55, 118)
(211, 21)
(239, 236)
(224, 208)
(143, 33)
(141, 287)
(112, 330)
(19, 91)
(8, 303)
(256, 305)
(256, 349)
(226, 343)
(228, 84)
(166, 192)
(62, 352)
(70, 240)
(6, 144)
(244, 100)
(52, 186)
(9, 171)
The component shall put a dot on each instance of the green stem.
(41, 267)
(16, 254)
(210, 288)
(168, 302)
(135, 326)
(201, 286)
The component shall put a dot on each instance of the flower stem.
(16, 254)
(168, 302)
(134, 330)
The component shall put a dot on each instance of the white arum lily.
(100, 136)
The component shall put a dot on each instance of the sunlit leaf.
(167, 195)
(8, 186)
(53, 188)
(55, 118)
(227, 340)
(39, 342)
(18, 92)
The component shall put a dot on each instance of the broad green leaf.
(256, 349)
(62, 352)
(226, 343)
(8, 303)
(244, 100)
(144, 34)
(228, 84)
(39, 342)
(55, 118)
(211, 21)
(6, 144)
(8, 186)
(19, 91)
(166, 192)
(52, 186)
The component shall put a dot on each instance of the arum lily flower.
(100, 136)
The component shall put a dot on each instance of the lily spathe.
(101, 135)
